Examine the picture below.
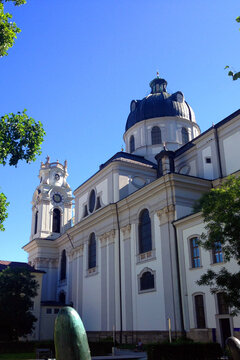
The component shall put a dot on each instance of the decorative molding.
(76, 252)
(44, 262)
(126, 230)
(167, 214)
(107, 238)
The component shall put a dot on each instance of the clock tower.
(52, 202)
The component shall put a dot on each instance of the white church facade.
(128, 260)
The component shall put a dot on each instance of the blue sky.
(77, 65)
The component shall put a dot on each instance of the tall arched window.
(156, 135)
(36, 222)
(199, 311)
(92, 251)
(56, 220)
(144, 232)
(62, 297)
(132, 144)
(185, 137)
(63, 265)
(195, 253)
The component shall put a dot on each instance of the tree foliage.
(17, 289)
(8, 29)
(20, 138)
(221, 213)
(234, 74)
(3, 210)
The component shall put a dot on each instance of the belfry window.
(199, 311)
(92, 251)
(156, 135)
(144, 232)
(185, 137)
(132, 144)
(63, 265)
(36, 222)
(56, 221)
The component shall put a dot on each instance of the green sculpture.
(70, 337)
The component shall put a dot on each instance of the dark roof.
(159, 104)
(16, 264)
(128, 156)
(190, 144)
(117, 157)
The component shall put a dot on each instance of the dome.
(159, 103)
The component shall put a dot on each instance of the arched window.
(92, 251)
(132, 144)
(195, 253)
(62, 297)
(63, 265)
(185, 137)
(156, 135)
(147, 281)
(36, 222)
(144, 232)
(217, 255)
(199, 311)
(56, 221)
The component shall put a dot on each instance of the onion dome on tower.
(159, 118)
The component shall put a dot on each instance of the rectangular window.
(199, 309)
(56, 311)
(195, 254)
(217, 253)
(222, 306)
(49, 311)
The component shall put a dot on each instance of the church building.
(128, 260)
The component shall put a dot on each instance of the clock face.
(57, 198)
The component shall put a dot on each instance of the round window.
(92, 200)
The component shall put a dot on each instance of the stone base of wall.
(201, 335)
(132, 337)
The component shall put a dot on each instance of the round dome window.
(92, 201)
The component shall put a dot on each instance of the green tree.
(8, 29)
(20, 136)
(234, 74)
(17, 289)
(221, 213)
(20, 139)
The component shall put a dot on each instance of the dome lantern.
(158, 85)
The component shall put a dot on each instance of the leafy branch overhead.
(3, 210)
(8, 29)
(20, 138)
(234, 74)
(221, 213)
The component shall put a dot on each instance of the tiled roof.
(16, 264)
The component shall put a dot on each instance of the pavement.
(123, 354)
